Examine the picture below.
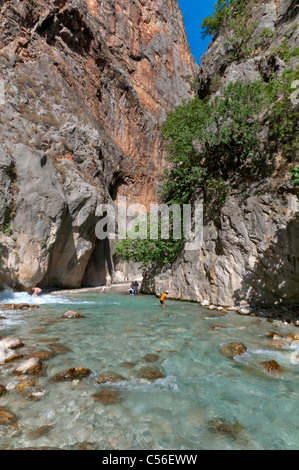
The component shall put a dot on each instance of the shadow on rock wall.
(274, 279)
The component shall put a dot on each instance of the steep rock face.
(84, 87)
(250, 250)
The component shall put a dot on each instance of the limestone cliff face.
(250, 251)
(84, 88)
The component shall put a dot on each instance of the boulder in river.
(150, 373)
(233, 349)
(11, 343)
(75, 373)
(71, 314)
(110, 377)
(271, 366)
(6, 417)
(32, 366)
(151, 357)
(7, 355)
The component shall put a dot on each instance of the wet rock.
(76, 373)
(3, 390)
(32, 366)
(41, 431)
(22, 306)
(233, 349)
(11, 343)
(107, 397)
(110, 377)
(293, 336)
(6, 417)
(25, 384)
(245, 311)
(217, 327)
(43, 355)
(71, 314)
(273, 335)
(37, 394)
(7, 355)
(128, 365)
(278, 344)
(151, 374)
(271, 366)
(58, 348)
(230, 429)
(151, 357)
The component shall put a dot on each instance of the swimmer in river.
(163, 297)
(36, 291)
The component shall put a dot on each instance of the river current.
(200, 400)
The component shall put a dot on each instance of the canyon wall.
(84, 88)
(250, 249)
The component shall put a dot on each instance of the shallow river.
(201, 400)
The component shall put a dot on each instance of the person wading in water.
(163, 297)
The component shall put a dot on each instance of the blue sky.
(194, 11)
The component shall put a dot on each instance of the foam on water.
(11, 297)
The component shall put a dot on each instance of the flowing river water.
(200, 399)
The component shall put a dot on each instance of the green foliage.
(148, 250)
(224, 11)
(233, 18)
(295, 176)
(285, 52)
(7, 229)
(209, 141)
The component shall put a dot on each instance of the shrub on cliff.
(209, 141)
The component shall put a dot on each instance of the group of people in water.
(134, 290)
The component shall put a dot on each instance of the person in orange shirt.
(163, 297)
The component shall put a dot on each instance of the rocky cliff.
(84, 88)
(250, 250)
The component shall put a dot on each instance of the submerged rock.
(150, 373)
(25, 384)
(3, 390)
(76, 373)
(43, 355)
(110, 377)
(151, 357)
(58, 348)
(6, 417)
(107, 397)
(233, 349)
(293, 336)
(230, 429)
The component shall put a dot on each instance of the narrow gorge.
(85, 87)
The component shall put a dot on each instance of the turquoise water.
(204, 400)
